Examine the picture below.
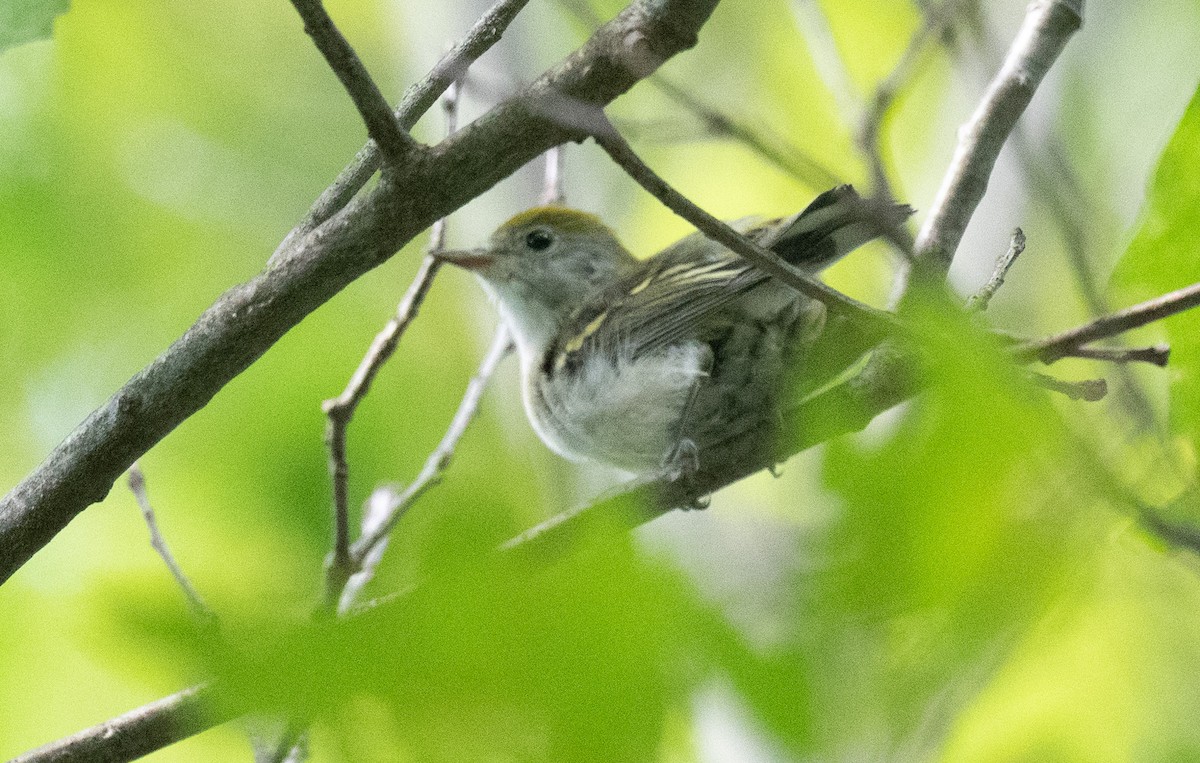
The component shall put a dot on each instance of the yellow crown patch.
(557, 217)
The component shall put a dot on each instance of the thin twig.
(418, 99)
(868, 115)
(1054, 181)
(766, 260)
(292, 745)
(1061, 345)
(1089, 390)
(378, 509)
(552, 178)
(828, 60)
(340, 410)
(345, 572)
(1047, 27)
(980, 300)
(1156, 354)
(139, 732)
(439, 460)
(372, 106)
(137, 486)
(870, 129)
(1178, 534)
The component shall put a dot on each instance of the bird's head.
(542, 264)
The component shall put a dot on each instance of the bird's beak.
(468, 259)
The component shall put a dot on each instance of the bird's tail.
(833, 225)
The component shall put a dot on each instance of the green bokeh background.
(966, 581)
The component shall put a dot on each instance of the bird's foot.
(680, 464)
(682, 461)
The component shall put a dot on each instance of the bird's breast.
(614, 409)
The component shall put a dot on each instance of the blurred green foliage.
(25, 20)
(965, 581)
(1162, 257)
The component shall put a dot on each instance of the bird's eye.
(539, 240)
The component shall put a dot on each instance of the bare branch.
(1062, 345)
(1047, 27)
(291, 747)
(439, 460)
(372, 106)
(871, 124)
(137, 486)
(980, 300)
(1181, 535)
(379, 508)
(1157, 354)
(1089, 390)
(340, 569)
(340, 410)
(552, 183)
(828, 60)
(138, 732)
(418, 99)
(760, 256)
(248, 319)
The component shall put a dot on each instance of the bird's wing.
(678, 294)
(669, 300)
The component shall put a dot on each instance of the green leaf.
(26, 20)
(958, 529)
(575, 657)
(1165, 255)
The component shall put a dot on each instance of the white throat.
(533, 325)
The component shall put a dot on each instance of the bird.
(643, 365)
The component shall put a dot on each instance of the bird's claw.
(681, 463)
(682, 460)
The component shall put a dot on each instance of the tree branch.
(552, 178)
(350, 71)
(1047, 27)
(980, 300)
(1062, 345)
(437, 462)
(1157, 354)
(137, 486)
(340, 410)
(1177, 534)
(138, 732)
(760, 256)
(248, 319)
(418, 99)
(1088, 390)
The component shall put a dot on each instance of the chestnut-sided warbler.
(640, 364)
